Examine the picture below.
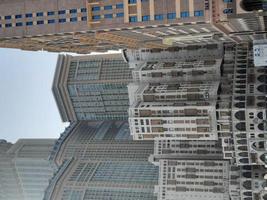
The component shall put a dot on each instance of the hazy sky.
(27, 106)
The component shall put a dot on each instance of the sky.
(27, 105)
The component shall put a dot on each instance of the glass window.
(120, 14)
(28, 15)
(95, 8)
(184, 14)
(49, 13)
(109, 7)
(62, 12)
(73, 19)
(228, 11)
(131, 1)
(8, 25)
(40, 22)
(227, 1)
(72, 11)
(39, 14)
(83, 9)
(96, 17)
(84, 18)
(18, 16)
(119, 5)
(145, 18)
(158, 17)
(171, 15)
(198, 13)
(108, 16)
(19, 24)
(63, 20)
(51, 21)
(8, 17)
(29, 23)
(133, 19)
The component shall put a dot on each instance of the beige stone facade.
(84, 26)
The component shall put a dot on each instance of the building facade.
(175, 98)
(98, 160)
(92, 87)
(193, 179)
(167, 105)
(191, 169)
(25, 169)
(84, 26)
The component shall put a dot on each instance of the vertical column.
(139, 10)
(126, 11)
(178, 8)
(151, 9)
(191, 8)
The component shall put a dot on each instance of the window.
(28, 15)
(158, 17)
(73, 11)
(8, 17)
(0, 25)
(171, 15)
(133, 19)
(145, 18)
(184, 14)
(83, 9)
(84, 18)
(109, 7)
(198, 13)
(108, 16)
(119, 5)
(96, 8)
(227, 1)
(8, 25)
(19, 24)
(63, 20)
(95, 17)
(29, 23)
(131, 1)
(18, 16)
(73, 19)
(49, 13)
(51, 21)
(40, 22)
(62, 12)
(120, 14)
(39, 14)
(228, 11)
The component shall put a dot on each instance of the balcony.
(156, 122)
(145, 113)
(157, 129)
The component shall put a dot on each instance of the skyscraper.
(175, 98)
(169, 100)
(9, 183)
(25, 169)
(98, 161)
(92, 87)
(84, 26)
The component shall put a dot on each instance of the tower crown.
(250, 5)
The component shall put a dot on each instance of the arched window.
(263, 78)
(240, 115)
(241, 126)
(262, 88)
(261, 126)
